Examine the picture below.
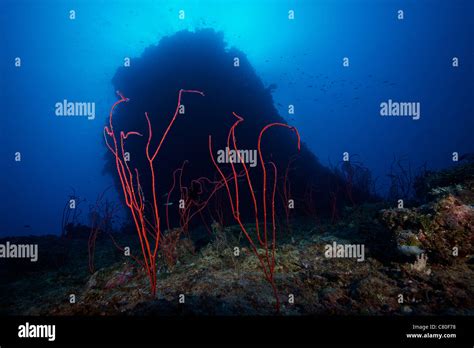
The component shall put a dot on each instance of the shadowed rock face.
(201, 61)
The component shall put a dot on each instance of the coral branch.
(149, 231)
(267, 260)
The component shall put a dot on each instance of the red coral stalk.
(267, 261)
(149, 230)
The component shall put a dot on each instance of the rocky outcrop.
(443, 228)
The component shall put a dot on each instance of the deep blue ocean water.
(337, 108)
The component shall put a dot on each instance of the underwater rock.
(373, 289)
(217, 284)
(201, 60)
(406, 309)
(458, 180)
(331, 296)
(444, 226)
(119, 278)
(92, 282)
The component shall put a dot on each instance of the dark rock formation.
(201, 61)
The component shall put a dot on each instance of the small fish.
(167, 204)
(27, 226)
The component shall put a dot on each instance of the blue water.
(336, 107)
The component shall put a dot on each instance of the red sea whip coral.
(149, 230)
(267, 260)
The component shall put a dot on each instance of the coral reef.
(443, 227)
(217, 280)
